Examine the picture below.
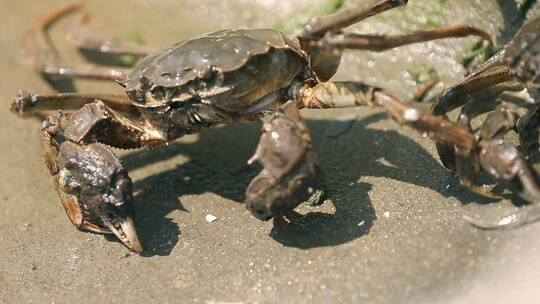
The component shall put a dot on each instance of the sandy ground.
(391, 232)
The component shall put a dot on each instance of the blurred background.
(391, 230)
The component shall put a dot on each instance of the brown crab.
(507, 87)
(212, 79)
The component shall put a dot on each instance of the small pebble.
(386, 214)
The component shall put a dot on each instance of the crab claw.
(94, 188)
(291, 173)
(99, 189)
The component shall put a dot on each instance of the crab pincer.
(94, 188)
(290, 173)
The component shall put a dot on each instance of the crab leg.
(325, 61)
(64, 71)
(25, 103)
(322, 41)
(466, 162)
(463, 161)
(382, 43)
(482, 89)
(88, 39)
(498, 78)
(46, 59)
(504, 162)
(496, 156)
(352, 94)
(319, 26)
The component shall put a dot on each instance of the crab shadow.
(217, 164)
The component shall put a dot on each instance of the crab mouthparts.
(125, 231)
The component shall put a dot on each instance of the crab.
(507, 88)
(216, 78)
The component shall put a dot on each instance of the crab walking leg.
(466, 162)
(65, 71)
(319, 26)
(484, 99)
(92, 183)
(25, 103)
(325, 61)
(46, 59)
(88, 39)
(498, 158)
(85, 37)
(325, 52)
(478, 94)
(382, 43)
(504, 162)
(42, 24)
(485, 83)
(498, 78)
(353, 94)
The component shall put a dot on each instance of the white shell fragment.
(210, 218)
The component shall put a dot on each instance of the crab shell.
(229, 69)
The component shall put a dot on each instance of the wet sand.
(391, 230)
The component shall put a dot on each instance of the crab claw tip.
(127, 234)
